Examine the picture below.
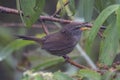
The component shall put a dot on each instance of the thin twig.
(9, 10)
(82, 66)
(76, 64)
(100, 34)
(56, 12)
(50, 18)
(45, 28)
(51, 26)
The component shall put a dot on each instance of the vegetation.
(98, 50)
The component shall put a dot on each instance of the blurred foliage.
(31, 10)
(112, 35)
(84, 10)
(89, 74)
(28, 75)
(19, 54)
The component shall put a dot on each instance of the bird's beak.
(84, 28)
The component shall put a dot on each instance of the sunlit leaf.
(61, 4)
(60, 7)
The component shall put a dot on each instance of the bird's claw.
(66, 57)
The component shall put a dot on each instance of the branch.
(46, 18)
(9, 10)
(76, 64)
(79, 65)
(51, 26)
(82, 66)
(50, 18)
(56, 12)
(44, 28)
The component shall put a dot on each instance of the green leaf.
(110, 44)
(72, 6)
(50, 62)
(15, 45)
(61, 76)
(101, 4)
(118, 20)
(99, 21)
(31, 10)
(5, 36)
(47, 63)
(85, 10)
(38, 77)
(26, 77)
(60, 4)
(108, 75)
(89, 74)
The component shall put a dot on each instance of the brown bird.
(59, 43)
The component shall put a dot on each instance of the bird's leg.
(66, 57)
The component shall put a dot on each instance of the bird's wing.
(57, 42)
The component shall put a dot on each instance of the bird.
(59, 43)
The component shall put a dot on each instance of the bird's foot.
(66, 57)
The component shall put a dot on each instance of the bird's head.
(74, 29)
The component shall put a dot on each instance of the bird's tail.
(28, 38)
